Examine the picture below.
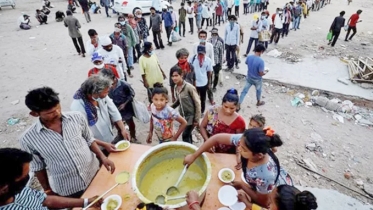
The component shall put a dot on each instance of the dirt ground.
(45, 55)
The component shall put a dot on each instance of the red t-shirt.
(353, 19)
(106, 66)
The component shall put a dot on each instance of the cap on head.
(105, 41)
(214, 31)
(96, 57)
(201, 49)
(116, 29)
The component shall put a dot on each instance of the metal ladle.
(173, 190)
(119, 180)
(160, 199)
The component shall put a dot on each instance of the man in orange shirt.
(98, 63)
(354, 19)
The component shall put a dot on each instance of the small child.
(163, 116)
(256, 121)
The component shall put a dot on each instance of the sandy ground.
(50, 59)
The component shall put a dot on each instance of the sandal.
(131, 76)
(261, 103)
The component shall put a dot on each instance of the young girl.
(256, 121)
(163, 116)
(187, 98)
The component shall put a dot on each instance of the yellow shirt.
(150, 68)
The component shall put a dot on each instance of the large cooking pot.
(162, 152)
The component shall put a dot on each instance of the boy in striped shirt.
(15, 195)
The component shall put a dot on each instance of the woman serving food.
(261, 167)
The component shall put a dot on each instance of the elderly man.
(113, 55)
(73, 25)
(232, 41)
(202, 65)
(62, 143)
(93, 101)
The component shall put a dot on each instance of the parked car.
(129, 6)
(7, 3)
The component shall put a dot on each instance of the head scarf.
(132, 21)
(89, 108)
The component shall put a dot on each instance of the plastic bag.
(175, 37)
(329, 36)
(346, 27)
(264, 36)
(141, 111)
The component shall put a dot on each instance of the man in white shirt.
(202, 68)
(209, 51)
(190, 15)
(24, 22)
(277, 24)
(256, 26)
(93, 44)
(112, 55)
(231, 40)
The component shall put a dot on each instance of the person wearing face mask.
(203, 68)
(190, 15)
(232, 41)
(264, 30)
(117, 38)
(150, 69)
(156, 26)
(297, 15)
(205, 14)
(168, 23)
(93, 44)
(174, 17)
(98, 63)
(130, 39)
(198, 12)
(278, 23)
(92, 100)
(202, 35)
(256, 25)
(144, 29)
(218, 45)
(287, 20)
(112, 55)
(15, 194)
(255, 72)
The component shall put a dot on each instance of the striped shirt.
(27, 199)
(68, 159)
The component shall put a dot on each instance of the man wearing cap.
(73, 25)
(218, 45)
(93, 44)
(256, 26)
(203, 68)
(112, 55)
(98, 63)
(232, 41)
(156, 27)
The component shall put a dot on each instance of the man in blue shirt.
(167, 18)
(255, 72)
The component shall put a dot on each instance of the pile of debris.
(288, 56)
(361, 70)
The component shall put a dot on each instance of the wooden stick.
(308, 169)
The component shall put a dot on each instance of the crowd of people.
(65, 149)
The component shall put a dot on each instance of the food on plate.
(112, 204)
(123, 145)
(226, 176)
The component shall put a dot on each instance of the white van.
(129, 6)
(7, 3)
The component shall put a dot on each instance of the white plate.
(226, 169)
(119, 142)
(243, 178)
(224, 208)
(238, 206)
(227, 195)
(114, 197)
